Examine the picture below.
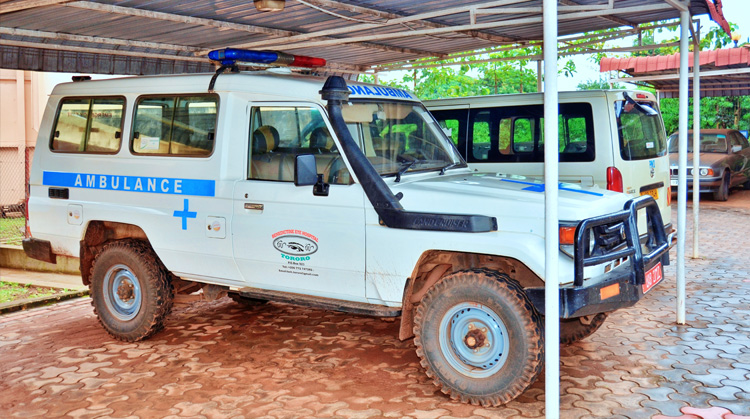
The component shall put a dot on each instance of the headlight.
(703, 171)
(568, 239)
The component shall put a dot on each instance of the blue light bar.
(230, 56)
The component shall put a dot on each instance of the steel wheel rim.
(122, 292)
(474, 340)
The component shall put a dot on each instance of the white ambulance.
(347, 197)
(613, 139)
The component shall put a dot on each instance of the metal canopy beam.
(516, 22)
(397, 21)
(392, 16)
(220, 24)
(96, 40)
(614, 19)
(18, 5)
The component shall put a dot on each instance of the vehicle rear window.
(88, 125)
(175, 125)
(641, 130)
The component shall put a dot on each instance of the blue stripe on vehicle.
(539, 187)
(147, 184)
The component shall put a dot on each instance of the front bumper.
(624, 285)
(707, 184)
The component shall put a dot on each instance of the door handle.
(251, 206)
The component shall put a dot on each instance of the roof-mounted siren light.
(230, 56)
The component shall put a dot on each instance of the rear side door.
(285, 238)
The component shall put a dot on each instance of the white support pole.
(539, 76)
(551, 222)
(696, 135)
(682, 166)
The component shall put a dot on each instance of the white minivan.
(613, 139)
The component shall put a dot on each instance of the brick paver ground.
(219, 360)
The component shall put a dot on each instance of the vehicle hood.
(706, 159)
(502, 196)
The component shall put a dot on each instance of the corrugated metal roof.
(725, 72)
(147, 37)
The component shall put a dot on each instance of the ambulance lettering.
(171, 186)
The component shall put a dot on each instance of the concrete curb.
(12, 306)
(14, 257)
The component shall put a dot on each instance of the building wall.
(22, 101)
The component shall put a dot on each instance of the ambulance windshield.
(400, 137)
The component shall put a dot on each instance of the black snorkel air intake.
(392, 213)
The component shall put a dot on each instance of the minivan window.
(175, 125)
(641, 131)
(88, 125)
(516, 133)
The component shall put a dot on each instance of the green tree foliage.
(460, 77)
(731, 112)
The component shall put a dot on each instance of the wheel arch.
(97, 234)
(433, 265)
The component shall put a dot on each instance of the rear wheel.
(573, 330)
(479, 338)
(722, 194)
(130, 290)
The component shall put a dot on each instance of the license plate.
(673, 182)
(653, 277)
(652, 192)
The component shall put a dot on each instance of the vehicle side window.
(454, 121)
(523, 136)
(88, 125)
(480, 136)
(516, 133)
(279, 133)
(175, 125)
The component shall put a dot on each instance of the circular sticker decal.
(294, 245)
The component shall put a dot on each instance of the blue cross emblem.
(185, 214)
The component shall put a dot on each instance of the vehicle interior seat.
(266, 164)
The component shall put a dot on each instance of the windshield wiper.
(450, 166)
(405, 167)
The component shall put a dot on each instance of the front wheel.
(722, 194)
(573, 330)
(479, 338)
(130, 290)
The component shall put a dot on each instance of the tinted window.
(175, 125)
(641, 130)
(516, 134)
(88, 125)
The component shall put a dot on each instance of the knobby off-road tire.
(573, 330)
(130, 290)
(479, 338)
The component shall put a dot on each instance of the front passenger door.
(285, 238)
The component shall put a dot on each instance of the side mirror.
(736, 148)
(305, 174)
(305, 170)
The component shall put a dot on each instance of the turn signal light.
(567, 235)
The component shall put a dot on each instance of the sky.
(736, 11)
